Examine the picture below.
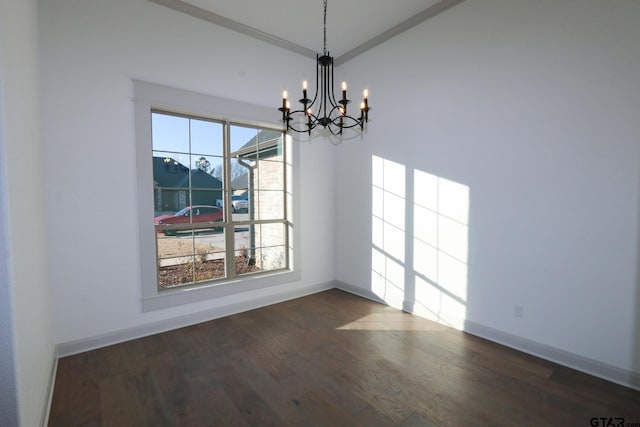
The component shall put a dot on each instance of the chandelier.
(323, 109)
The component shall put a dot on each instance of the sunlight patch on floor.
(392, 321)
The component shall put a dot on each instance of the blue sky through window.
(177, 136)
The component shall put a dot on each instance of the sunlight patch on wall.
(440, 248)
(388, 230)
(420, 242)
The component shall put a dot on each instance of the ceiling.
(353, 26)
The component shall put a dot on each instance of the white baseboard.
(572, 360)
(79, 346)
(357, 290)
(52, 383)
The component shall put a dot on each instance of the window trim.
(150, 96)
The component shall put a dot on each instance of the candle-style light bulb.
(285, 95)
(365, 94)
(304, 85)
(344, 97)
(362, 105)
(288, 105)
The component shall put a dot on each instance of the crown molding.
(200, 13)
(419, 18)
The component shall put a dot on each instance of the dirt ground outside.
(187, 258)
(199, 270)
(169, 247)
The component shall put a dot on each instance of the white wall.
(8, 394)
(533, 106)
(24, 255)
(91, 51)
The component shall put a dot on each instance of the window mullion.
(193, 237)
(284, 195)
(229, 237)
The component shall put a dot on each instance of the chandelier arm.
(352, 120)
(298, 130)
(326, 93)
(315, 96)
(299, 112)
(337, 129)
(335, 103)
(311, 121)
(335, 109)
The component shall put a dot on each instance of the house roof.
(262, 136)
(241, 182)
(173, 174)
(266, 141)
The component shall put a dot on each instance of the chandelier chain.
(325, 27)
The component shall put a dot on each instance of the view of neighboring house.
(263, 157)
(240, 186)
(171, 178)
(171, 186)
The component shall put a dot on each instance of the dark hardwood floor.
(326, 360)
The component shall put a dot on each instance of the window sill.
(191, 294)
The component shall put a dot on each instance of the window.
(215, 198)
(219, 199)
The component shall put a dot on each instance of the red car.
(199, 216)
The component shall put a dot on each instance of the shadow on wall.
(419, 255)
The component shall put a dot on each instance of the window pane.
(270, 145)
(206, 137)
(209, 262)
(269, 175)
(169, 133)
(272, 258)
(268, 205)
(262, 247)
(171, 182)
(268, 247)
(205, 164)
(206, 189)
(269, 235)
(188, 256)
(244, 252)
(240, 175)
(175, 259)
(216, 167)
(242, 138)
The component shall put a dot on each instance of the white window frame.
(151, 96)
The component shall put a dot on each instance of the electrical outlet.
(518, 311)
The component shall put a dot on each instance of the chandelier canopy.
(323, 109)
